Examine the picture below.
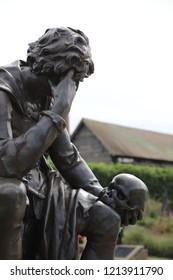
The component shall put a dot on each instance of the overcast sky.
(132, 48)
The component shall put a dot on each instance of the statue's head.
(59, 50)
(130, 195)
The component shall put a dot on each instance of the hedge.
(157, 179)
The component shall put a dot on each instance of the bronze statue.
(42, 211)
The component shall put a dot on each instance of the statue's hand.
(63, 94)
(106, 197)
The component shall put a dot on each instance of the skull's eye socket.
(120, 195)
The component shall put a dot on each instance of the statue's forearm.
(19, 155)
(72, 167)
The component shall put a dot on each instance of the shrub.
(157, 179)
(161, 246)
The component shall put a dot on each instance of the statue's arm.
(18, 155)
(70, 164)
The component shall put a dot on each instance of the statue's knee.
(12, 197)
(12, 190)
(112, 220)
(105, 218)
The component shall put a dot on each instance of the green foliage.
(157, 245)
(157, 179)
(154, 231)
(51, 163)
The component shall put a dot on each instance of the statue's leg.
(12, 210)
(102, 232)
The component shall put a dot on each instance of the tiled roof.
(131, 142)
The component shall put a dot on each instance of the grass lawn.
(157, 258)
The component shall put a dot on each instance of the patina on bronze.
(43, 211)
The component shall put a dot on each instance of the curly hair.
(61, 49)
